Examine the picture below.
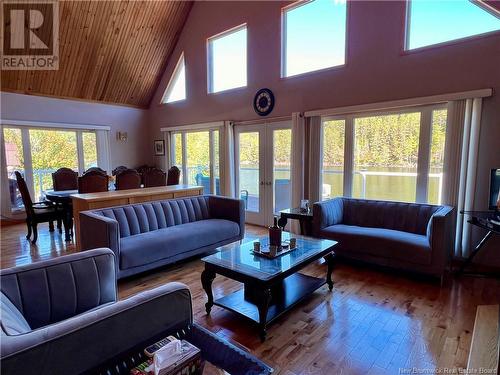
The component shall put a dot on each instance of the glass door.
(263, 169)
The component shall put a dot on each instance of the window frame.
(291, 7)
(209, 41)
(406, 31)
(25, 128)
(424, 146)
(184, 156)
(175, 75)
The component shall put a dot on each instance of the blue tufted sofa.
(149, 235)
(408, 236)
(62, 317)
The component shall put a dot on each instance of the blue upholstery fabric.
(13, 322)
(152, 234)
(62, 289)
(146, 217)
(179, 239)
(406, 217)
(382, 242)
(404, 235)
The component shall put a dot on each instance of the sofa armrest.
(85, 341)
(440, 236)
(229, 209)
(327, 213)
(99, 231)
(52, 290)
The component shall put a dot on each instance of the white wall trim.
(424, 100)
(46, 124)
(199, 126)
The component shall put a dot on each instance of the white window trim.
(291, 7)
(210, 60)
(173, 79)
(398, 104)
(210, 127)
(425, 138)
(102, 144)
(486, 7)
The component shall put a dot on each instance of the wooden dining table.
(64, 200)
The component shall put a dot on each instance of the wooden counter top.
(130, 193)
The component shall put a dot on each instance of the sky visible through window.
(177, 89)
(228, 56)
(433, 22)
(315, 36)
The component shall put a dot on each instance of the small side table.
(487, 220)
(304, 217)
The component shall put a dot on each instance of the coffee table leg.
(264, 301)
(330, 260)
(207, 276)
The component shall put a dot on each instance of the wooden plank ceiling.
(110, 51)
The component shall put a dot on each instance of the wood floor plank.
(373, 322)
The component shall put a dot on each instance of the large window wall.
(395, 155)
(196, 153)
(37, 152)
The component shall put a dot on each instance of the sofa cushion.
(163, 243)
(399, 216)
(13, 322)
(380, 242)
(147, 217)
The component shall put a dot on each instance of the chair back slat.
(129, 179)
(65, 179)
(174, 175)
(154, 177)
(92, 182)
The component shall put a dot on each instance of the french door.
(263, 169)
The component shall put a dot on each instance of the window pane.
(216, 162)
(51, 150)
(198, 160)
(333, 159)
(228, 60)
(386, 156)
(89, 149)
(15, 162)
(315, 36)
(281, 166)
(249, 170)
(437, 156)
(176, 89)
(437, 21)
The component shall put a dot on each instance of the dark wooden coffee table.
(271, 286)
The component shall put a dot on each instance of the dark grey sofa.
(62, 317)
(409, 236)
(149, 235)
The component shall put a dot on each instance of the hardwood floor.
(374, 321)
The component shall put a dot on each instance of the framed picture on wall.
(159, 147)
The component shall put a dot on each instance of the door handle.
(268, 183)
(262, 183)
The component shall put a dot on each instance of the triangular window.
(176, 89)
(432, 22)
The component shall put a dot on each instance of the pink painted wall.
(133, 152)
(376, 70)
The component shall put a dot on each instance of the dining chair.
(38, 212)
(174, 175)
(65, 179)
(118, 170)
(154, 177)
(129, 179)
(96, 169)
(93, 182)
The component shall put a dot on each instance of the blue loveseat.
(409, 236)
(149, 235)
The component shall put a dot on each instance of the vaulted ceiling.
(109, 51)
